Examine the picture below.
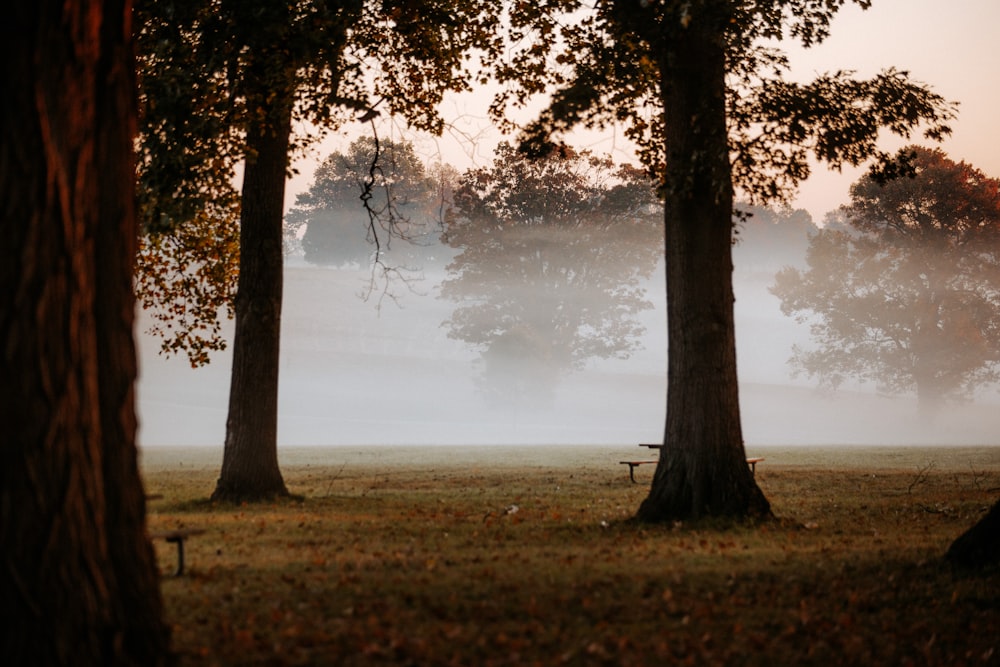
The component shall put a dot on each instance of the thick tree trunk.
(702, 470)
(978, 547)
(250, 469)
(78, 577)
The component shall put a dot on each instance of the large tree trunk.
(78, 577)
(250, 469)
(978, 547)
(702, 469)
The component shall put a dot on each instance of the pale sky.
(952, 45)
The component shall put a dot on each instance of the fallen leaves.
(415, 576)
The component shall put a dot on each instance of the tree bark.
(978, 547)
(702, 470)
(250, 469)
(78, 576)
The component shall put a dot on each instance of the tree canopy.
(908, 296)
(602, 67)
(340, 227)
(552, 257)
(769, 238)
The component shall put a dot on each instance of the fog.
(353, 373)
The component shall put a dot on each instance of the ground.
(516, 555)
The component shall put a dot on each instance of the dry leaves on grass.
(413, 574)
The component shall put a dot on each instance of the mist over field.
(356, 374)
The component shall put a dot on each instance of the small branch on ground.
(921, 478)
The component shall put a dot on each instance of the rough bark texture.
(250, 469)
(702, 469)
(978, 547)
(78, 577)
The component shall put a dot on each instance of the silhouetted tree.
(78, 582)
(909, 296)
(978, 547)
(222, 82)
(553, 253)
(699, 88)
(339, 226)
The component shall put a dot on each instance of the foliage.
(186, 277)
(332, 61)
(199, 94)
(338, 227)
(552, 257)
(769, 238)
(603, 64)
(194, 89)
(909, 295)
(413, 559)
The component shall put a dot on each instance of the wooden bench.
(631, 467)
(177, 536)
(752, 462)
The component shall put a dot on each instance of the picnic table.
(633, 463)
(174, 536)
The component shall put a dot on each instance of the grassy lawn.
(418, 556)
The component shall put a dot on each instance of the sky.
(951, 45)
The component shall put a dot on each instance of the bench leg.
(753, 468)
(631, 472)
(179, 541)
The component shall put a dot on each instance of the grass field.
(417, 556)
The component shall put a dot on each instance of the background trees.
(79, 580)
(552, 256)
(909, 296)
(340, 228)
(768, 239)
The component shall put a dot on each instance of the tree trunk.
(78, 577)
(978, 547)
(250, 469)
(702, 469)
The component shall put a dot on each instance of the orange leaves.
(186, 281)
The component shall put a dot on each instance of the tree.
(249, 70)
(699, 88)
(768, 239)
(79, 580)
(978, 547)
(552, 253)
(909, 295)
(338, 226)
